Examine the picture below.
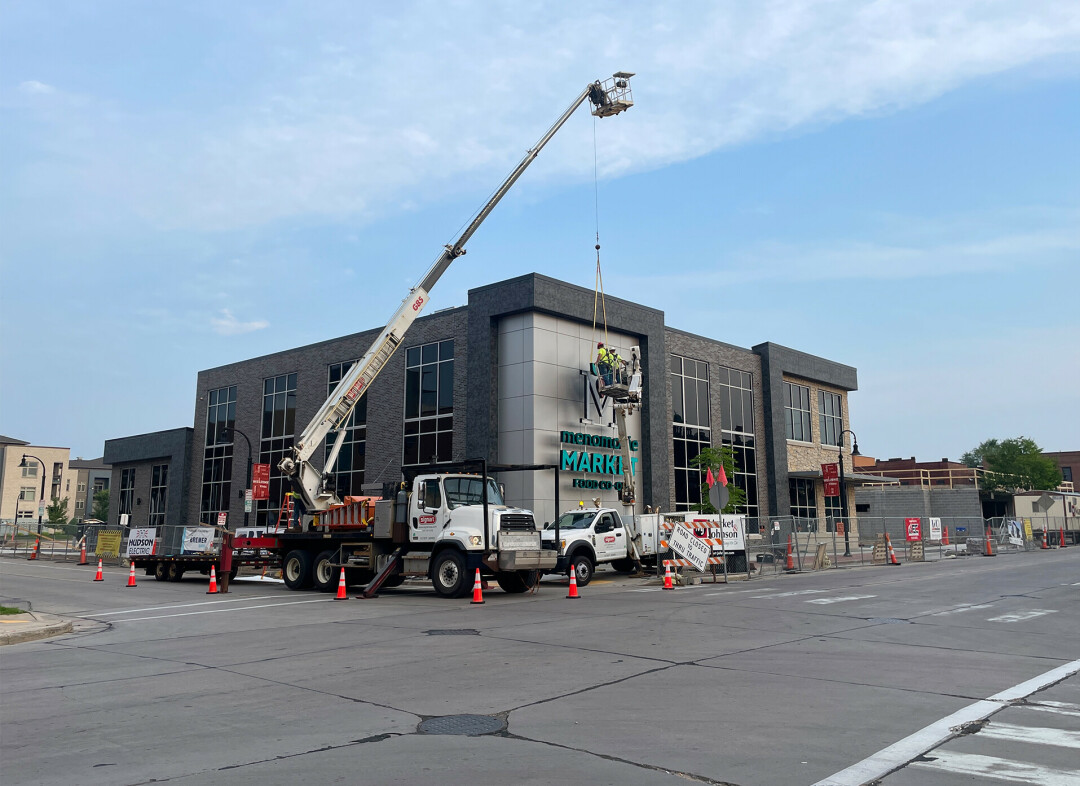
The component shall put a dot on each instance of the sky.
(892, 185)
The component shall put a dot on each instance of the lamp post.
(843, 491)
(42, 503)
(228, 432)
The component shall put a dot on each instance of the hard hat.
(599, 344)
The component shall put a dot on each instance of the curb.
(39, 629)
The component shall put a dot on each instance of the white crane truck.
(442, 524)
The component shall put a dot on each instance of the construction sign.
(913, 528)
(686, 545)
(141, 542)
(260, 481)
(108, 543)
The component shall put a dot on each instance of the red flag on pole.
(709, 477)
(723, 476)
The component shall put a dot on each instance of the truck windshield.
(468, 491)
(573, 520)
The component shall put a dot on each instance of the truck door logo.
(609, 539)
(426, 519)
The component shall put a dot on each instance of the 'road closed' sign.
(686, 545)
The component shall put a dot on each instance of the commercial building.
(507, 378)
(26, 487)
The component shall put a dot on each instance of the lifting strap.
(598, 292)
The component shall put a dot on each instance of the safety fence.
(112, 544)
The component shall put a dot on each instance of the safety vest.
(605, 357)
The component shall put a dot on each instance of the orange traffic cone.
(790, 558)
(37, 548)
(1063, 537)
(1045, 539)
(99, 577)
(945, 535)
(341, 593)
(213, 582)
(892, 554)
(668, 585)
(82, 554)
(477, 592)
(573, 584)
(131, 576)
(989, 544)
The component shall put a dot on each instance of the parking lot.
(783, 679)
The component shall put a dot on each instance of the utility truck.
(439, 524)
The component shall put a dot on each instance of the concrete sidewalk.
(33, 625)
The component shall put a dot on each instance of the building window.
(159, 482)
(832, 513)
(691, 429)
(797, 412)
(278, 431)
(127, 491)
(80, 504)
(82, 488)
(830, 417)
(429, 404)
(30, 470)
(26, 514)
(803, 504)
(1066, 474)
(349, 470)
(736, 389)
(28, 492)
(218, 454)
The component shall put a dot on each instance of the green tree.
(1013, 464)
(714, 458)
(57, 511)
(101, 505)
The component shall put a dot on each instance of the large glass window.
(429, 404)
(736, 389)
(349, 469)
(127, 490)
(159, 486)
(218, 453)
(832, 512)
(797, 412)
(803, 503)
(830, 418)
(691, 429)
(278, 427)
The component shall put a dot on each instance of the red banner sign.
(913, 527)
(832, 488)
(830, 472)
(260, 481)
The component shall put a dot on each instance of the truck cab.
(589, 537)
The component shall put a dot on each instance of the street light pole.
(249, 462)
(843, 491)
(41, 505)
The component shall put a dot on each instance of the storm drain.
(889, 621)
(467, 725)
(453, 632)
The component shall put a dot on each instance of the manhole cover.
(889, 621)
(454, 632)
(467, 725)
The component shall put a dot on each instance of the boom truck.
(442, 523)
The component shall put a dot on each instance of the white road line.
(827, 601)
(903, 751)
(961, 609)
(788, 594)
(1021, 616)
(218, 611)
(177, 606)
(1058, 707)
(1063, 738)
(1002, 769)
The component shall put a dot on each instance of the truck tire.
(174, 571)
(448, 574)
(159, 571)
(625, 565)
(323, 574)
(296, 569)
(518, 581)
(583, 566)
(233, 571)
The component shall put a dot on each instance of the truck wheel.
(448, 574)
(323, 574)
(160, 572)
(174, 572)
(625, 565)
(518, 581)
(583, 567)
(233, 571)
(296, 570)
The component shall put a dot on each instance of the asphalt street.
(820, 678)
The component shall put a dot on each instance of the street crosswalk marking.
(961, 609)
(1063, 738)
(996, 768)
(788, 594)
(827, 601)
(1057, 707)
(1022, 616)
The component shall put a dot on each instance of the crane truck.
(442, 523)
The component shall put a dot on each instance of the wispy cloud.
(228, 325)
(379, 111)
(33, 87)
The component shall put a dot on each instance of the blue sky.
(893, 185)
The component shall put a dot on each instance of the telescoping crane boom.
(313, 487)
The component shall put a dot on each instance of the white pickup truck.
(589, 537)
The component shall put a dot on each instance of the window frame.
(804, 414)
(428, 437)
(830, 424)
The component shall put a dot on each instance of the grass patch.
(10, 610)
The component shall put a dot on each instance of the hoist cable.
(598, 291)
